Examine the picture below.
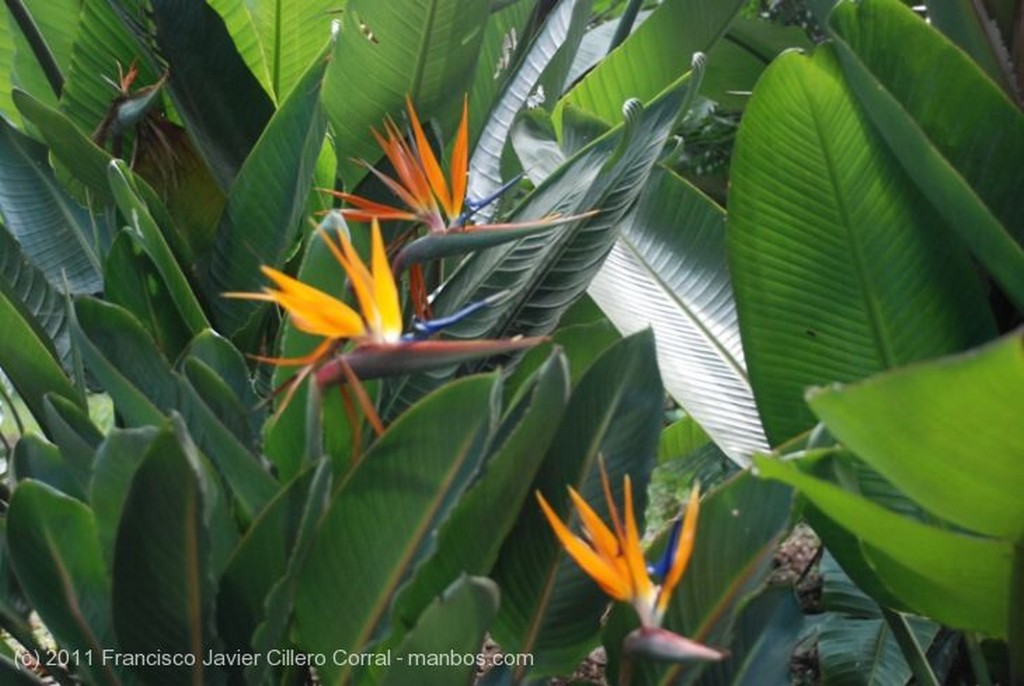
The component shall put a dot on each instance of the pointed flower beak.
(613, 558)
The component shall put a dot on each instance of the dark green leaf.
(454, 624)
(424, 49)
(56, 554)
(550, 608)
(71, 429)
(264, 211)
(840, 267)
(383, 518)
(27, 288)
(28, 361)
(224, 107)
(469, 541)
(36, 459)
(894, 63)
(163, 588)
(55, 232)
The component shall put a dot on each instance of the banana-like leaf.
(28, 360)
(223, 105)
(45, 36)
(34, 458)
(7, 53)
(43, 307)
(924, 566)
(383, 518)
(855, 644)
(971, 174)
(56, 555)
(470, 540)
(261, 221)
(943, 449)
(70, 428)
(278, 38)
(268, 553)
(117, 459)
(454, 624)
(740, 525)
(424, 49)
(55, 232)
(506, 36)
(652, 57)
(163, 584)
(121, 354)
(562, 30)
(668, 271)
(550, 607)
(765, 634)
(840, 268)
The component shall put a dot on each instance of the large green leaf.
(454, 624)
(223, 105)
(36, 459)
(561, 31)
(740, 525)
(959, 579)
(765, 634)
(7, 53)
(45, 39)
(469, 541)
(26, 288)
(28, 360)
(424, 49)
(383, 518)
(840, 267)
(668, 271)
(251, 43)
(855, 644)
(55, 232)
(117, 459)
(163, 588)
(894, 63)
(550, 608)
(944, 449)
(287, 37)
(261, 221)
(121, 354)
(653, 56)
(56, 554)
(264, 556)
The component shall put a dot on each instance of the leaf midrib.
(871, 305)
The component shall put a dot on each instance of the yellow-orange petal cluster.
(613, 557)
(421, 184)
(321, 314)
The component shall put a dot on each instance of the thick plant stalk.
(978, 665)
(626, 22)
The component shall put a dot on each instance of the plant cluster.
(338, 335)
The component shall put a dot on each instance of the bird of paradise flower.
(378, 346)
(613, 558)
(437, 203)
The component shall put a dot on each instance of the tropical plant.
(294, 382)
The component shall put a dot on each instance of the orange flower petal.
(385, 293)
(642, 585)
(606, 576)
(312, 310)
(460, 163)
(428, 161)
(684, 549)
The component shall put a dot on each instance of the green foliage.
(873, 225)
